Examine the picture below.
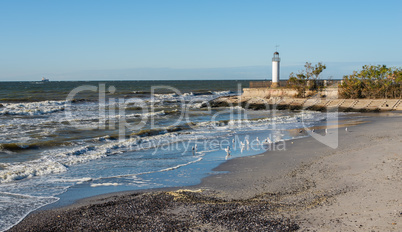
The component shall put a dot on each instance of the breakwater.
(320, 104)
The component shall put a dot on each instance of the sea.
(64, 141)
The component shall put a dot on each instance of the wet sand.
(308, 187)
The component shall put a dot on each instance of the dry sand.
(356, 187)
(309, 187)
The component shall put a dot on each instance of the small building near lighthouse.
(275, 70)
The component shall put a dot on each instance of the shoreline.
(298, 185)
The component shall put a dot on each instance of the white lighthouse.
(275, 70)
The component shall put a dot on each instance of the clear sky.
(66, 40)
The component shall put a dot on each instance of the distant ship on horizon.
(45, 79)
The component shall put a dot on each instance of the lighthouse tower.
(275, 70)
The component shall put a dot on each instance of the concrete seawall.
(345, 104)
(327, 98)
(329, 92)
(311, 103)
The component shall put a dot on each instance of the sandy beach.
(308, 187)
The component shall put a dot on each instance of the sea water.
(64, 141)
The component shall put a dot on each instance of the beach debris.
(179, 194)
(158, 213)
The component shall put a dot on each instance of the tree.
(372, 82)
(306, 79)
(351, 87)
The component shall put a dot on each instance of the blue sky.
(78, 40)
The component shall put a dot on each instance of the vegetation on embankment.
(307, 79)
(372, 82)
(373, 89)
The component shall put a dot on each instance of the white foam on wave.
(32, 108)
(194, 98)
(62, 159)
(147, 115)
(18, 171)
(78, 180)
(181, 165)
(223, 93)
(58, 160)
(198, 105)
(262, 123)
(105, 184)
(15, 207)
(51, 162)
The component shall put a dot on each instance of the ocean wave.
(105, 184)
(147, 115)
(59, 160)
(138, 92)
(32, 108)
(202, 92)
(79, 180)
(18, 206)
(16, 99)
(54, 161)
(258, 123)
(222, 93)
(34, 145)
(30, 169)
(181, 165)
(163, 130)
(138, 180)
(166, 95)
(94, 118)
(198, 105)
(134, 108)
(193, 95)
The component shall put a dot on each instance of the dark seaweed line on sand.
(162, 211)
